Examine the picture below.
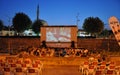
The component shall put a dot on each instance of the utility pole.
(38, 12)
(77, 19)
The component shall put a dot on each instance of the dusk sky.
(61, 12)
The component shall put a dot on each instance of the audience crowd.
(55, 52)
(63, 52)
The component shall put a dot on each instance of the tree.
(36, 26)
(1, 25)
(93, 25)
(104, 33)
(21, 22)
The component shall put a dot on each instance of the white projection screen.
(59, 36)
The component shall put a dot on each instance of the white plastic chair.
(85, 67)
(110, 72)
(98, 72)
(24, 67)
(32, 71)
(6, 71)
(12, 67)
(19, 71)
(28, 62)
(38, 68)
(18, 63)
(91, 70)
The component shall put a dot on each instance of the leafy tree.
(93, 25)
(21, 22)
(104, 33)
(36, 26)
(1, 25)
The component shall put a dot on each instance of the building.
(7, 33)
(82, 33)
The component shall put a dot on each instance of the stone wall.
(90, 43)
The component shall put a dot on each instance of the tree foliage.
(36, 26)
(104, 33)
(21, 22)
(93, 25)
(1, 25)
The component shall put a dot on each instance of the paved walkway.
(60, 70)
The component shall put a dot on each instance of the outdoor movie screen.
(58, 34)
(55, 34)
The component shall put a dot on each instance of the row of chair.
(102, 68)
(20, 67)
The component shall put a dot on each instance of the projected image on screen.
(58, 34)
